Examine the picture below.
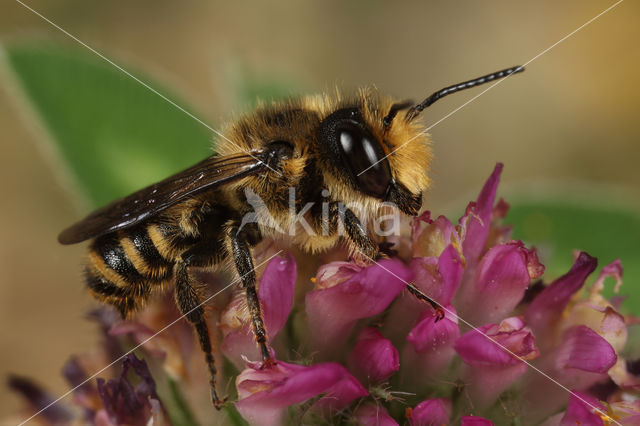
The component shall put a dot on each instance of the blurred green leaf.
(234, 416)
(116, 135)
(558, 227)
(180, 413)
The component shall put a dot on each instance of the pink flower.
(265, 394)
(373, 358)
(504, 349)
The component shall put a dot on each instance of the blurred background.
(566, 129)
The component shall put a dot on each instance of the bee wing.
(145, 203)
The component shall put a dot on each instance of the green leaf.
(180, 412)
(559, 227)
(114, 134)
(233, 415)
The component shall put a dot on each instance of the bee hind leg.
(191, 307)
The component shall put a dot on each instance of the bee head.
(384, 151)
(365, 138)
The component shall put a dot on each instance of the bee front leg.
(356, 232)
(239, 248)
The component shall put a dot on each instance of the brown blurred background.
(571, 117)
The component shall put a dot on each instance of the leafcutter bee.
(366, 149)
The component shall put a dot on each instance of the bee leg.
(439, 311)
(239, 248)
(191, 307)
(357, 232)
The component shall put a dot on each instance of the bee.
(366, 149)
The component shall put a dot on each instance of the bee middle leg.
(190, 305)
(238, 242)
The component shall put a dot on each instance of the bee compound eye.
(365, 158)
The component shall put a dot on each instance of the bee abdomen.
(122, 298)
(144, 255)
(123, 267)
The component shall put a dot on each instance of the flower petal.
(626, 412)
(585, 350)
(277, 286)
(581, 361)
(264, 395)
(475, 421)
(366, 293)
(431, 412)
(580, 410)
(429, 348)
(484, 346)
(613, 270)
(334, 273)
(607, 322)
(373, 415)
(477, 219)
(85, 393)
(491, 368)
(440, 277)
(547, 307)
(373, 358)
(430, 335)
(431, 240)
(127, 403)
(500, 280)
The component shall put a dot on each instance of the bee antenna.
(414, 111)
(393, 111)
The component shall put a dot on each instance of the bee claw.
(268, 363)
(219, 403)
